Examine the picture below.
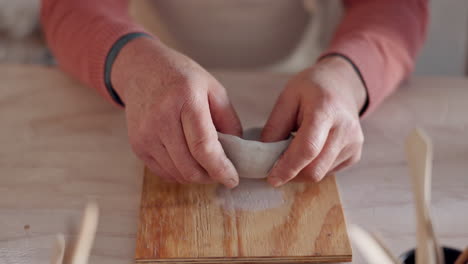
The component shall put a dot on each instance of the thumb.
(224, 116)
(282, 119)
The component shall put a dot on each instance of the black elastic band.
(356, 69)
(111, 56)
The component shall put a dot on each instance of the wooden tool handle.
(419, 154)
(373, 250)
(85, 239)
(59, 250)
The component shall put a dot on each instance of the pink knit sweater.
(381, 38)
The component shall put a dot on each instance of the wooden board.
(198, 224)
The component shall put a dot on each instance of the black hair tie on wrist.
(111, 56)
(356, 69)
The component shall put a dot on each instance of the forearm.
(81, 34)
(381, 38)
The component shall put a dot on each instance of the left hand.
(323, 104)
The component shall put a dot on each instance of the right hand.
(173, 109)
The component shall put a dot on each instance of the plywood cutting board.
(300, 223)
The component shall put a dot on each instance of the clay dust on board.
(250, 195)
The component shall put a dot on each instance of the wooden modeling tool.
(84, 241)
(419, 154)
(253, 223)
(428, 251)
(371, 248)
(59, 250)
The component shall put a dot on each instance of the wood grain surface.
(189, 224)
(62, 144)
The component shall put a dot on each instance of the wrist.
(348, 77)
(129, 61)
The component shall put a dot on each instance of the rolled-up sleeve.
(382, 39)
(80, 34)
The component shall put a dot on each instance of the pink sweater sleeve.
(382, 39)
(80, 34)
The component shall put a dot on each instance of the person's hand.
(323, 104)
(173, 109)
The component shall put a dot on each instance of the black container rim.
(411, 253)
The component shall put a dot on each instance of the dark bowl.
(450, 255)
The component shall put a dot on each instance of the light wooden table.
(61, 144)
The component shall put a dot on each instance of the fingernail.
(231, 183)
(275, 181)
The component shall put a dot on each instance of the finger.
(349, 156)
(355, 158)
(190, 170)
(150, 161)
(224, 116)
(158, 171)
(161, 156)
(345, 154)
(322, 165)
(282, 119)
(202, 141)
(343, 165)
(149, 148)
(304, 148)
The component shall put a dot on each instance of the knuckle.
(285, 169)
(193, 176)
(355, 149)
(335, 149)
(356, 158)
(284, 174)
(181, 99)
(327, 99)
(310, 148)
(352, 128)
(202, 148)
(315, 172)
(360, 138)
(220, 171)
(349, 124)
(325, 113)
(188, 105)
